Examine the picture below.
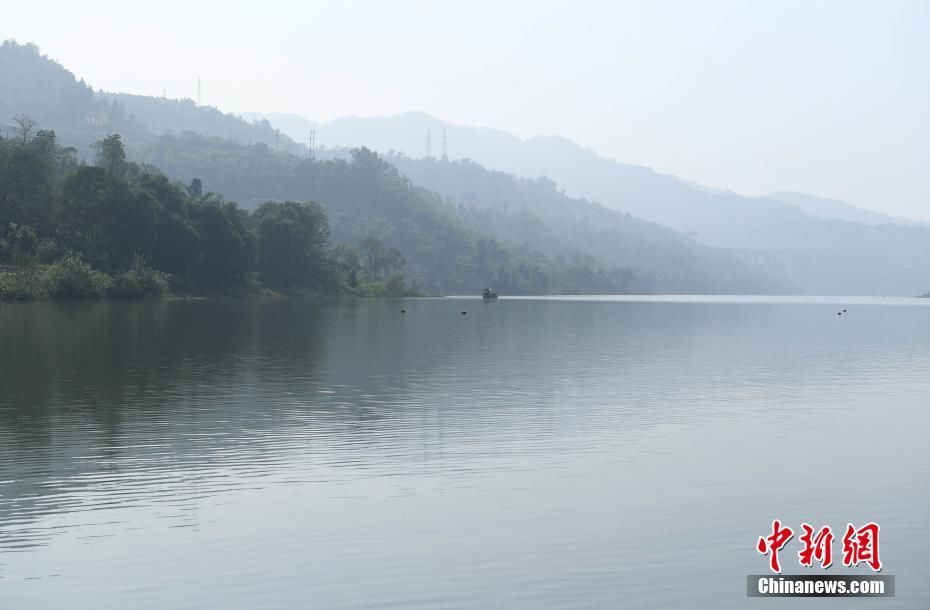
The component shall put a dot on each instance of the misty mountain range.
(570, 164)
(821, 246)
(587, 206)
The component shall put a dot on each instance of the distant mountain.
(717, 218)
(449, 247)
(35, 85)
(820, 255)
(162, 115)
(32, 84)
(589, 246)
(839, 210)
(753, 239)
(534, 212)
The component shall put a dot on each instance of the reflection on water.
(534, 453)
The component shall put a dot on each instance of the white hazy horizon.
(829, 98)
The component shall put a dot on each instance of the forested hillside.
(591, 249)
(450, 243)
(37, 89)
(365, 197)
(42, 89)
(162, 115)
(814, 247)
(535, 212)
(117, 229)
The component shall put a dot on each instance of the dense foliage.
(366, 197)
(118, 229)
(811, 245)
(536, 213)
(482, 228)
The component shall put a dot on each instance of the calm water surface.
(534, 453)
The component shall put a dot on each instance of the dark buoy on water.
(839, 313)
(403, 311)
(464, 313)
(844, 311)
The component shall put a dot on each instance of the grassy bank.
(73, 279)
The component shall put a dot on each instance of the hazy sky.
(831, 98)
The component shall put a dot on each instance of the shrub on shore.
(394, 286)
(140, 281)
(72, 278)
(20, 284)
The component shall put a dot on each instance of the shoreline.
(71, 279)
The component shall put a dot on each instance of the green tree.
(27, 181)
(195, 189)
(346, 264)
(373, 253)
(227, 246)
(392, 262)
(107, 220)
(176, 249)
(292, 241)
(111, 155)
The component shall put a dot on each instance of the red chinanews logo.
(859, 545)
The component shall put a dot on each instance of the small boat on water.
(488, 294)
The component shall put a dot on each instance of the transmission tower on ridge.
(444, 155)
(429, 145)
(311, 140)
(199, 92)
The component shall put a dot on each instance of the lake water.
(534, 453)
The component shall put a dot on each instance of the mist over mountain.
(534, 211)
(839, 210)
(821, 248)
(447, 247)
(589, 213)
(581, 172)
(175, 116)
(34, 85)
(585, 246)
(46, 91)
